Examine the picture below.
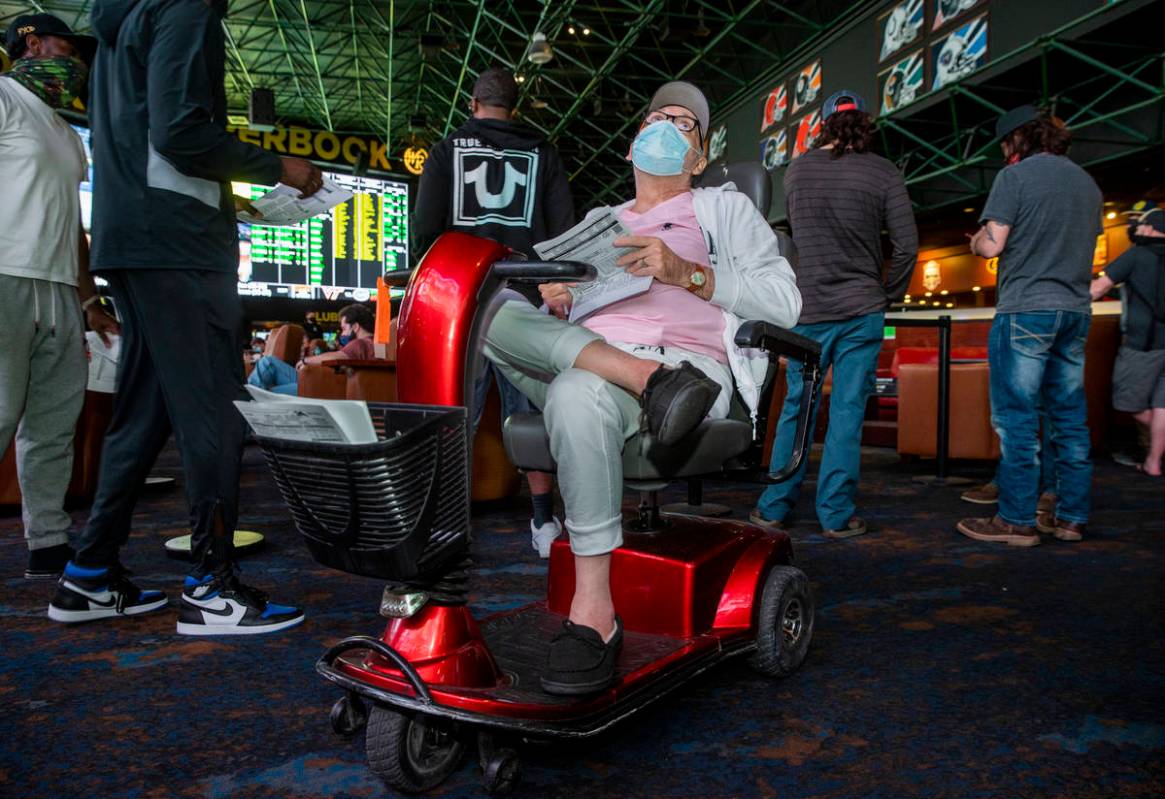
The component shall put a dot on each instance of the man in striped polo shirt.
(840, 196)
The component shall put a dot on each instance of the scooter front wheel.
(411, 753)
(784, 623)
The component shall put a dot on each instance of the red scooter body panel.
(436, 319)
(444, 645)
(681, 581)
(434, 338)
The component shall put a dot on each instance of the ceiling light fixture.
(539, 51)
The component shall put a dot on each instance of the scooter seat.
(703, 451)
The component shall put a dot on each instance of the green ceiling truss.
(357, 65)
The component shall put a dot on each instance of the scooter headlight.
(401, 606)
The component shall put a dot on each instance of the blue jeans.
(851, 347)
(274, 374)
(1047, 459)
(1037, 361)
(513, 400)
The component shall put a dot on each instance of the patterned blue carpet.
(941, 667)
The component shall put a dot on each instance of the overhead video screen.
(335, 256)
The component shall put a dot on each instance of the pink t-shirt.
(666, 316)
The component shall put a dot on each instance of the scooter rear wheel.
(784, 624)
(411, 753)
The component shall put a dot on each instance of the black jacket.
(496, 179)
(162, 158)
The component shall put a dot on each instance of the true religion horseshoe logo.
(486, 198)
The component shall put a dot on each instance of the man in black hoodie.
(1138, 377)
(499, 180)
(164, 237)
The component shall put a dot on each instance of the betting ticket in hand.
(592, 241)
(283, 206)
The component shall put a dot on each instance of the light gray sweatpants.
(588, 419)
(43, 372)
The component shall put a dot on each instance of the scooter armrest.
(543, 271)
(778, 341)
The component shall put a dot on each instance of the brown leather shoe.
(777, 525)
(986, 494)
(1046, 503)
(998, 531)
(854, 527)
(1048, 524)
(1069, 531)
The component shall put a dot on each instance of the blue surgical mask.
(660, 149)
(344, 340)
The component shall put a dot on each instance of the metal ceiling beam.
(464, 65)
(315, 62)
(287, 52)
(647, 15)
(621, 131)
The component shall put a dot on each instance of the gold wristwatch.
(697, 280)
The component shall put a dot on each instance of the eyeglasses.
(686, 124)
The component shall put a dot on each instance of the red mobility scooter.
(691, 590)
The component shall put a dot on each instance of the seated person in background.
(715, 261)
(1138, 377)
(311, 328)
(357, 323)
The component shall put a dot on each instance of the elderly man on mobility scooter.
(715, 261)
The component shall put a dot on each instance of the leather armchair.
(971, 435)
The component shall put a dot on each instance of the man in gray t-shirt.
(1052, 207)
(1041, 220)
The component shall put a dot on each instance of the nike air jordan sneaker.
(219, 604)
(89, 594)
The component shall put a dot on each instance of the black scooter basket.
(397, 509)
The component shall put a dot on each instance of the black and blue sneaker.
(89, 594)
(219, 604)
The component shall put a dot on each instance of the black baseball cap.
(1014, 119)
(45, 25)
(845, 100)
(1154, 218)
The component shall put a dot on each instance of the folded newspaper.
(592, 241)
(306, 419)
(283, 205)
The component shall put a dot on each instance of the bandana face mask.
(660, 149)
(57, 80)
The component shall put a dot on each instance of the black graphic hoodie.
(496, 179)
(162, 158)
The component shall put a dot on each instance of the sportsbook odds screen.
(335, 256)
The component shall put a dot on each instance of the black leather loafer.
(676, 400)
(579, 662)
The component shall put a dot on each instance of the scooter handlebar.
(519, 271)
(543, 271)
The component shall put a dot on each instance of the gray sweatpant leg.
(42, 387)
(587, 418)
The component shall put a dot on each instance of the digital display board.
(335, 256)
